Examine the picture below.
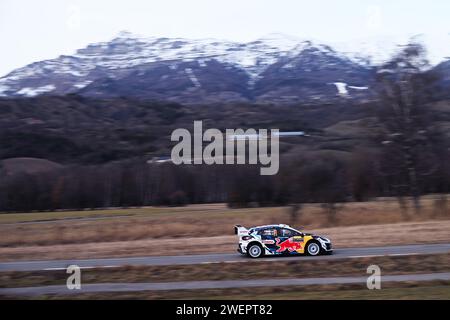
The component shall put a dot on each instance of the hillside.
(74, 129)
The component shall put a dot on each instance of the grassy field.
(206, 228)
(410, 291)
(393, 265)
(191, 221)
(435, 290)
(61, 216)
(257, 270)
(379, 210)
(354, 236)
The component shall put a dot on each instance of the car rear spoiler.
(240, 230)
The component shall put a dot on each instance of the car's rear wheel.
(313, 248)
(255, 251)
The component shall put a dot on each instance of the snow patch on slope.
(3, 89)
(192, 77)
(341, 88)
(32, 92)
(83, 84)
(358, 88)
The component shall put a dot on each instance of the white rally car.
(278, 240)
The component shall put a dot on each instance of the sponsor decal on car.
(289, 245)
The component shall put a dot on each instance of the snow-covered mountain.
(273, 68)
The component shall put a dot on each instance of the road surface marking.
(403, 254)
(93, 267)
(369, 256)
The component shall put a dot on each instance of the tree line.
(322, 177)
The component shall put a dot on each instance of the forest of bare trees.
(413, 148)
(320, 178)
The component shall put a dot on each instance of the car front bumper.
(327, 247)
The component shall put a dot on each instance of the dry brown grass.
(430, 290)
(354, 236)
(286, 268)
(209, 228)
(198, 221)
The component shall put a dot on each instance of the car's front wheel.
(255, 251)
(313, 248)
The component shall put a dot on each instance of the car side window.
(288, 233)
(268, 233)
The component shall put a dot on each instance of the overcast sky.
(37, 30)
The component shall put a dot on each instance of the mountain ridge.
(198, 70)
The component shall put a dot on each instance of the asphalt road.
(193, 285)
(219, 258)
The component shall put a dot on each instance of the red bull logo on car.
(290, 245)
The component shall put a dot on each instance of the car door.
(268, 238)
(289, 241)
